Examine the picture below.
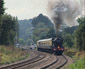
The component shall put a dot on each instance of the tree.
(1, 13)
(70, 30)
(81, 20)
(80, 37)
(68, 40)
(9, 30)
(80, 34)
(25, 29)
(40, 33)
(42, 26)
(21, 41)
(51, 33)
(1, 7)
(68, 36)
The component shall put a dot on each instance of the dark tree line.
(75, 36)
(1, 7)
(1, 13)
(9, 30)
(8, 27)
(80, 34)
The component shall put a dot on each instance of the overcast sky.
(26, 9)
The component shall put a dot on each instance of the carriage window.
(39, 43)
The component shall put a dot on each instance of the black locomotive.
(57, 45)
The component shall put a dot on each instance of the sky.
(26, 9)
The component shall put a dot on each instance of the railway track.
(39, 57)
(57, 64)
(53, 62)
(41, 61)
(50, 58)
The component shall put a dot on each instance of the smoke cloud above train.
(64, 11)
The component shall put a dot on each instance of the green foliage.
(51, 33)
(80, 64)
(1, 7)
(21, 41)
(9, 30)
(70, 30)
(11, 54)
(68, 36)
(75, 36)
(25, 31)
(30, 41)
(39, 33)
(68, 40)
(1, 12)
(80, 34)
(41, 18)
(81, 20)
(43, 28)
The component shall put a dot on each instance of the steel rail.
(23, 63)
(58, 67)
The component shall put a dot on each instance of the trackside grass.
(79, 58)
(79, 64)
(10, 54)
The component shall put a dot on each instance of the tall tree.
(80, 34)
(81, 20)
(1, 13)
(1, 7)
(9, 30)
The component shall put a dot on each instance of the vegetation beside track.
(74, 40)
(78, 57)
(79, 64)
(11, 54)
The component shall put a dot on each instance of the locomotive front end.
(58, 46)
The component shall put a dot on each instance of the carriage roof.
(44, 40)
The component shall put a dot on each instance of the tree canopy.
(42, 27)
(9, 30)
(1, 7)
(80, 34)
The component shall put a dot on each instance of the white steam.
(64, 11)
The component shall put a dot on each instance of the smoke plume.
(64, 11)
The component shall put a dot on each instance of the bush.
(80, 64)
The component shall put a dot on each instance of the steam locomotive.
(51, 45)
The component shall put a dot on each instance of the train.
(52, 45)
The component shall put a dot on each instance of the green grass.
(11, 54)
(70, 52)
(78, 56)
(79, 64)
